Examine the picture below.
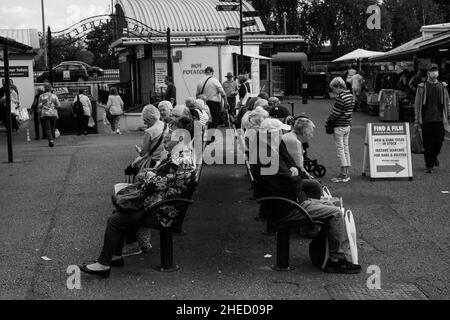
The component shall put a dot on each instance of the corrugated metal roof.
(187, 16)
(28, 37)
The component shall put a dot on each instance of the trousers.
(49, 124)
(433, 137)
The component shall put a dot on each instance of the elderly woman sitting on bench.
(170, 179)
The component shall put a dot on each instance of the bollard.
(305, 93)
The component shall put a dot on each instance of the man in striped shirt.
(340, 118)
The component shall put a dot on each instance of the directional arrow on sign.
(391, 168)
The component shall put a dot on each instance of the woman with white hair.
(152, 147)
(340, 119)
(165, 109)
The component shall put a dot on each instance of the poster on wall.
(255, 76)
(160, 75)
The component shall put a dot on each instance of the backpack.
(78, 109)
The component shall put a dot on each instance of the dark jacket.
(281, 184)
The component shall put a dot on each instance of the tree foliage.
(342, 23)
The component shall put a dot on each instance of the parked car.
(92, 71)
(66, 72)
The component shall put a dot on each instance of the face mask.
(434, 74)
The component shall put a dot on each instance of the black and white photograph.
(225, 158)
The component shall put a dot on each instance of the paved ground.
(55, 202)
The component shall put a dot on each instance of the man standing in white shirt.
(83, 119)
(212, 88)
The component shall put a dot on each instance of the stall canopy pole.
(242, 37)
(8, 104)
(169, 55)
(49, 47)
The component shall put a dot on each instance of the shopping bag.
(23, 115)
(417, 141)
(351, 249)
(91, 122)
(326, 195)
(105, 119)
(144, 238)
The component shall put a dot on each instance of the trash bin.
(389, 106)
(317, 84)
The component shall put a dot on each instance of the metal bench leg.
(282, 250)
(166, 248)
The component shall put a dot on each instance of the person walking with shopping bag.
(340, 120)
(48, 111)
(114, 109)
(82, 117)
(432, 115)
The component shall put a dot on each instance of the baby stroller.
(312, 166)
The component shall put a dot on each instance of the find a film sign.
(387, 150)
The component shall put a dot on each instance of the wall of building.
(24, 83)
(190, 68)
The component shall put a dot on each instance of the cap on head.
(279, 112)
(274, 124)
(433, 67)
(209, 70)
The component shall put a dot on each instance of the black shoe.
(342, 266)
(78, 134)
(100, 273)
(436, 163)
(51, 143)
(85, 133)
(117, 263)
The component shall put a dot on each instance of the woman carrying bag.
(339, 121)
(114, 109)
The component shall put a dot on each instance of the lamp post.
(43, 32)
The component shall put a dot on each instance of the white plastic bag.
(57, 134)
(326, 195)
(105, 119)
(91, 122)
(351, 234)
(22, 115)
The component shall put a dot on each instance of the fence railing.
(108, 75)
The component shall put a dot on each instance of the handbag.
(417, 141)
(329, 127)
(144, 238)
(145, 161)
(130, 198)
(23, 115)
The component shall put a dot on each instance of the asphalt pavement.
(54, 203)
